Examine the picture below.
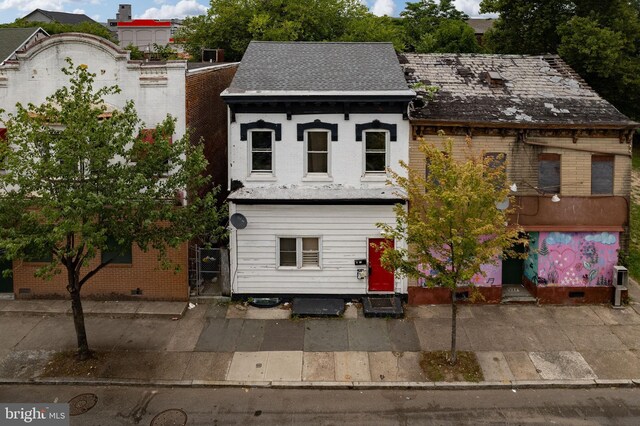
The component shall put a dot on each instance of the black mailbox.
(359, 262)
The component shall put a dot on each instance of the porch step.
(382, 306)
(317, 307)
(515, 293)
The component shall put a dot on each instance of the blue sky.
(101, 10)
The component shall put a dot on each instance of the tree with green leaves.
(452, 226)
(57, 28)
(451, 36)
(232, 24)
(599, 39)
(77, 183)
(422, 19)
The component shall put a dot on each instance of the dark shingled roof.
(509, 89)
(318, 67)
(11, 39)
(64, 17)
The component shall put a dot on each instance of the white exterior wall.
(343, 231)
(156, 90)
(346, 164)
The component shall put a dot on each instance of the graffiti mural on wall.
(531, 262)
(492, 275)
(577, 259)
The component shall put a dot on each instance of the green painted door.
(6, 284)
(513, 269)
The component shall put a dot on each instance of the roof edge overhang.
(306, 96)
(623, 125)
(323, 201)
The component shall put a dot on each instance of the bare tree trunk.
(454, 315)
(78, 316)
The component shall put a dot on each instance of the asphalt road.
(118, 405)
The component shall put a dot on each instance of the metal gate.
(204, 271)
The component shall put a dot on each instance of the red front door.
(379, 278)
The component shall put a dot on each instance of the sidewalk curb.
(514, 385)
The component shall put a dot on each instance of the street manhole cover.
(82, 403)
(171, 417)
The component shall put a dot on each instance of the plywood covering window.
(298, 252)
(549, 173)
(317, 152)
(375, 155)
(261, 151)
(602, 174)
(494, 161)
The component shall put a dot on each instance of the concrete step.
(382, 307)
(525, 300)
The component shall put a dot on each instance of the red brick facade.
(115, 282)
(207, 118)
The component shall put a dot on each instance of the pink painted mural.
(492, 275)
(577, 259)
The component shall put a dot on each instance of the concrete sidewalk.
(236, 345)
(112, 308)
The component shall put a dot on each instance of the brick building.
(567, 150)
(191, 96)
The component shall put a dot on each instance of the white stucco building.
(313, 128)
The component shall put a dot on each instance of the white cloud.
(30, 5)
(159, 1)
(383, 7)
(472, 8)
(78, 11)
(180, 10)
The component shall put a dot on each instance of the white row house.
(313, 129)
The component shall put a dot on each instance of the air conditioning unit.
(620, 282)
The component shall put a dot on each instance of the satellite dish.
(238, 220)
(503, 205)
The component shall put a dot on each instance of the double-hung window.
(375, 152)
(261, 156)
(298, 252)
(317, 161)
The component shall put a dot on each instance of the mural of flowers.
(577, 258)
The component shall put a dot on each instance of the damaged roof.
(320, 68)
(510, 89)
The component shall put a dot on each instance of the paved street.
(118, 405)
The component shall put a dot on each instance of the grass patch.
(66, 364)
(634, 245)
(437, 368)
(635, 158)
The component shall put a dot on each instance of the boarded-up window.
(602, 174)
(495, 161)
(549, 173)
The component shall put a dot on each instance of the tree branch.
(92, 273)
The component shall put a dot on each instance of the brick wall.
(522, 160)
(522, 163)
(207, 118)
(114, 282)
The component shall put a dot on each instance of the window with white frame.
(375, 152)
(298, 252)
(317, 160)
(261, 158)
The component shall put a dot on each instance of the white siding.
(343, 231)
(346, 154)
